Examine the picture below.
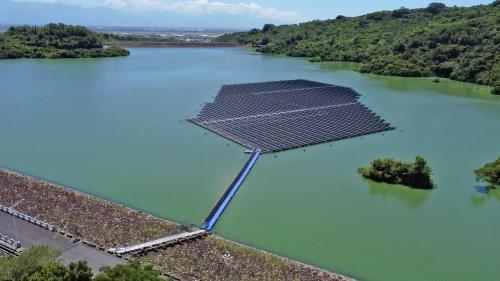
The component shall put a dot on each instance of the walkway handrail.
(12, 242)
(158, 242)
(27, 218)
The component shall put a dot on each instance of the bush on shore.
(388, 170)
(489, 173)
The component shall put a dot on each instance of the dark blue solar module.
(281, 115)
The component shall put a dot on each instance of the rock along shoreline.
(107, 224)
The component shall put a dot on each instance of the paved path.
(33, 235)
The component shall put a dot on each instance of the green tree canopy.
(132, 271)
(40, 264)
(22, 267)
(55, 41)
(78, 271)
(459, 43)
(389, 170)
(435, 8)
(489, 173)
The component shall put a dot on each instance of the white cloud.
(184, 6)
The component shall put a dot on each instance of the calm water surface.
(115, 128)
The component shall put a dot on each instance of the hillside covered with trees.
(55, 41)
(460, 43)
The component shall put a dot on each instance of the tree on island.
(389, 170)
(489, 173)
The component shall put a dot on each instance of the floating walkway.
(162, 242)
(208, 223)
(216, 212)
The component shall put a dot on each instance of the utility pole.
(14, 217)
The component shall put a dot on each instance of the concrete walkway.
(33, 235)
(159, 242)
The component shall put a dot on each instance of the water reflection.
(445, 86)
(486, 193)
(412, 197)
(340, 65)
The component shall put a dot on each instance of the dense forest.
(450, 42)
(55, 41)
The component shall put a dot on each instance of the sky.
(196, 13)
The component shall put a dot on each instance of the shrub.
(130, 271)
(268, 27)
(435, 8)
(399, 13)
(40, 264)
(489, 173)
(388, 170)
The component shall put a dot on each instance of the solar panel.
(281, 115)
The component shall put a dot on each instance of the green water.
(115, 128)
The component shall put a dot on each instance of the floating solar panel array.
(275, 116)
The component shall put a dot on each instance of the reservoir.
(117, 128)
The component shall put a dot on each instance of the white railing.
(27, 218)
(14, 243)
(159, 242)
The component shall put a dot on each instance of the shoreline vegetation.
(56, 41)
(388, 170)
(438, 41)
(41, 263)
(489, 173)
(208, 258)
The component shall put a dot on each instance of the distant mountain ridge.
(460, 43)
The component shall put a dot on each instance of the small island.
(55, 41)
(388, 170)
(489, 173)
